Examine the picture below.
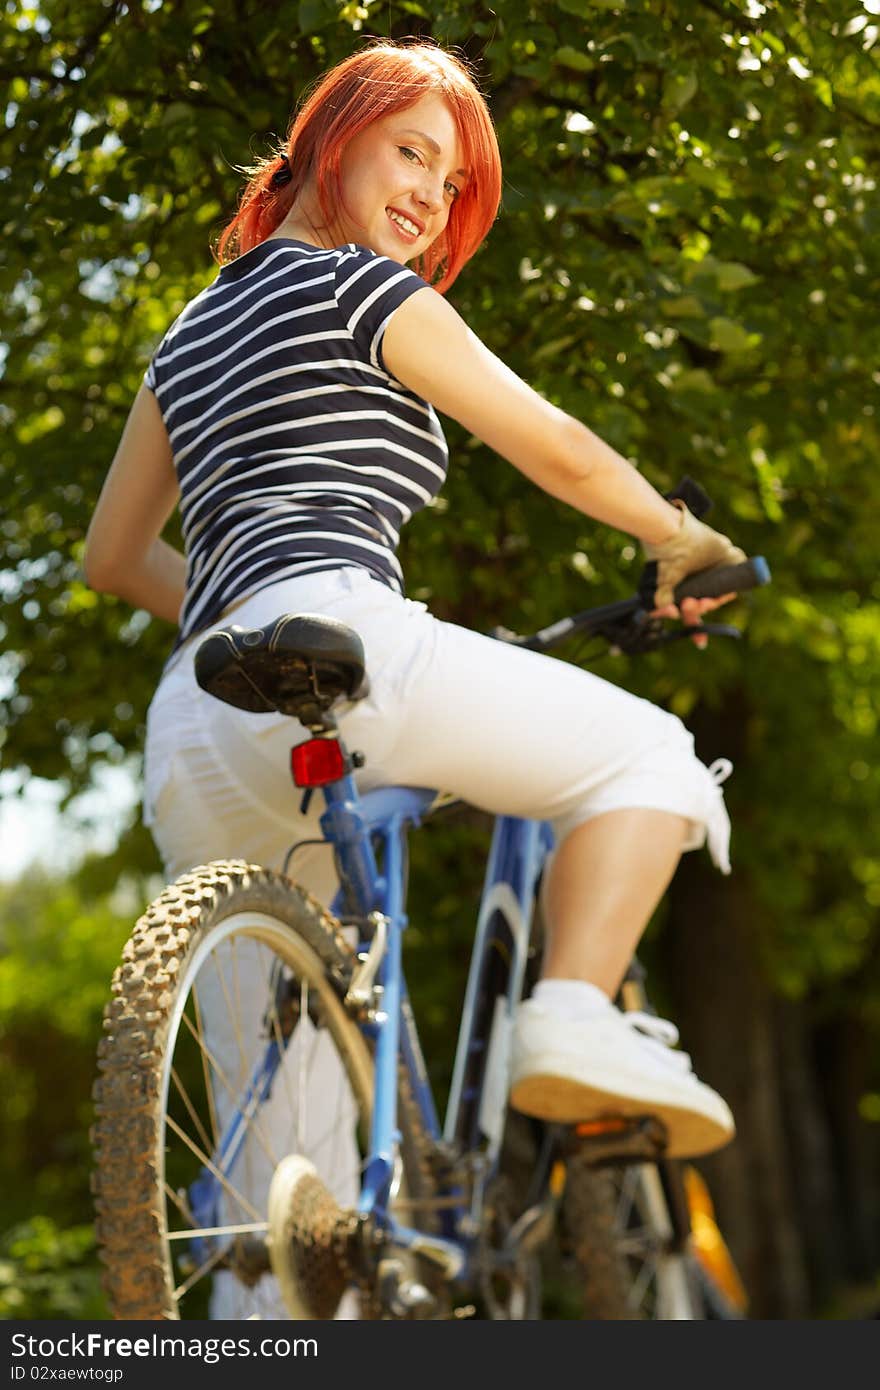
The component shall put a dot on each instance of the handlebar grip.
(724, 579)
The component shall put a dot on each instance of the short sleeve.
(368, 290)
(155, 377)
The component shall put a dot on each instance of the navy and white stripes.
(294, 448)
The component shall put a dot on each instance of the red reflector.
(317, 762)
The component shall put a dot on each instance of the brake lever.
(699, 630)
(637, 633)
(646, 634)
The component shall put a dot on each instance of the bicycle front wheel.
(619, 1234)
(227, 1049)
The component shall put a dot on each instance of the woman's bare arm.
(124, 553)
(428, 347)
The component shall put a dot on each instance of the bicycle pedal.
(618, 1140)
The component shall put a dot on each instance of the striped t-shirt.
(295, 450)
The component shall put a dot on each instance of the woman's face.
(399, 178)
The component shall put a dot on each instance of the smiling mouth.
(404, 226)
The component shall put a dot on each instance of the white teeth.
(404, 223)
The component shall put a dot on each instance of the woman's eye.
(408, 153)
(453, 190)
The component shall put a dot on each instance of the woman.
(290, 412)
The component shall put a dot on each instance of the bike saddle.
(297, 665)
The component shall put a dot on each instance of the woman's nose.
(430, 194)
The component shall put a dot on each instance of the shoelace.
(720, 770)
(661, 1036)
(717, 821)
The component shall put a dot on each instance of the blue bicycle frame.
(355, 825)
(478, 1094)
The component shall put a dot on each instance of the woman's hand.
(691, 611)
(692, 547)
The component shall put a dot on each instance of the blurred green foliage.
(59, 944)
(686, 259)
(46, 1272)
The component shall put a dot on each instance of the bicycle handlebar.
(725, 579)
(629, 625)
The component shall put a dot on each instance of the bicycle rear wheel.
(227, 1048)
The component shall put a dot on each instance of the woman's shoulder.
(350, 256)
(359, 266)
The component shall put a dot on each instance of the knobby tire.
(136, 1083)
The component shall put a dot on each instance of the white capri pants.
(510, 731)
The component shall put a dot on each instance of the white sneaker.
(614, 1064)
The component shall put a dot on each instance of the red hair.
(374, 82)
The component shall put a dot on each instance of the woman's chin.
(392, 249)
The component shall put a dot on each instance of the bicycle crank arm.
(529, 1232)
(445, 1256)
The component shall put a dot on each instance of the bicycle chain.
(419, 1139)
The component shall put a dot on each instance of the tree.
(686, 258)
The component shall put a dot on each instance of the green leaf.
(568, 57)
(733, 275)
(697, 380)
(554, 347)
(824, 91)
(678, 89)
(729, 336)
(686, 306)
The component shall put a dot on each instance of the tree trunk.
(843, 1052)
(725, 1011)
(813, 1176)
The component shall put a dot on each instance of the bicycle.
(192, 1184)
